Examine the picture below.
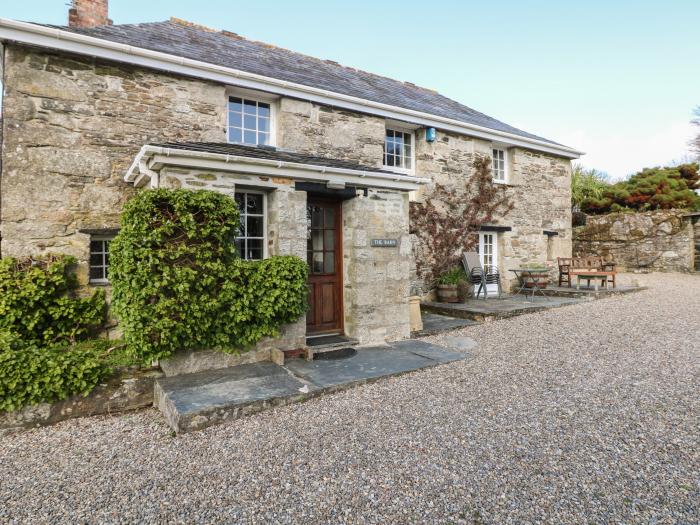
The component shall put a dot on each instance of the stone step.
(324, 344)
(195, 401)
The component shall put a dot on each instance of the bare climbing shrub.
(447, 221)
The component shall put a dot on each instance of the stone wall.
(660, 240)
(308, 128)
(376, 279)
(127, 389)
(71, 127)
(538, 184)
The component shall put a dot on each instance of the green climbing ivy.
(179, 284)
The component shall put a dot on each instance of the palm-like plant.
(587, 184)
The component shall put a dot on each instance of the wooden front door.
(325, 258)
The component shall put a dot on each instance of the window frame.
(264, 238)
(258, 98)
(390, 126)
(506, 174)
(104, 238)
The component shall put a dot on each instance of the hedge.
(30, 374)
(179, 284)
(38, 301)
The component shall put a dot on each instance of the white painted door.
(488, 253)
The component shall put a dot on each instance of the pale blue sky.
(617, 79)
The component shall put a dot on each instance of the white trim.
(246, 94)
(391, 126)
(155, 157)
(506, 160)
(243, 189)
(494, 254)
(26, 33)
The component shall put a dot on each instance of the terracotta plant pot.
(447, 293)
(542, 280)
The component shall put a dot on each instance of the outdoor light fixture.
(430, 134)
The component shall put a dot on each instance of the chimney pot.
(89, 13)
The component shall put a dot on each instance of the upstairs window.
(499, 169)
(250, 242)
(249, 122)
(398, 149)
(99, 259)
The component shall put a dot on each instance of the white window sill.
(99, 282)
(401, 171)
(504, 182)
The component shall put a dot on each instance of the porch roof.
(263, 160)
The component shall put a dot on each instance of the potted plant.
(537, 275)
(448, 284)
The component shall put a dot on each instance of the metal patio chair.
(481, 275)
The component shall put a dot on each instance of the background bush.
(179, 284)
(30, 374)
(38, 301)
(673, 187)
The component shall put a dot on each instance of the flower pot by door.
(447, 293)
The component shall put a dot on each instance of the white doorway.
(488, 254)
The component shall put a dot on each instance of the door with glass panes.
(488, 253)
(324, 256)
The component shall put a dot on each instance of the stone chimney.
(88, 13)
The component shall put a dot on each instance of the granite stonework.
(128, 389)
(71, 128)
(73, 125)
(539, 185)
(377, 285)
(661, 240)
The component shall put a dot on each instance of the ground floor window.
(99, 258)
(250, 242)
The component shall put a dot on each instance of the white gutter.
(152, 158)
(32, 34)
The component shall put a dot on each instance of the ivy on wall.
(179, 284)
(30, 374)
(38, 301)
(41, 320)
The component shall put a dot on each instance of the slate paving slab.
(194, 401)
(463, 344)
(436, 323)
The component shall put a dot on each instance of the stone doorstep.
(195, 401)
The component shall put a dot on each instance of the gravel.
(581, 414)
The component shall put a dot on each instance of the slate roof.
(228, 49)
(268, 153)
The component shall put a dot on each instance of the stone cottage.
(323, 159)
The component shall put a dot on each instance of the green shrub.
(178, 282)
(454, 276)
(586, 185)
(38, 301)
(29, 374)
(651, 189)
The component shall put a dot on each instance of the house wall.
(376, 286)
(72, 126)
(539, 185)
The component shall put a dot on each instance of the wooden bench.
(570, 267)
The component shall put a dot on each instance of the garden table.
(534, 275)
(592, 276)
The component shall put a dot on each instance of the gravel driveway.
(582, 414)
